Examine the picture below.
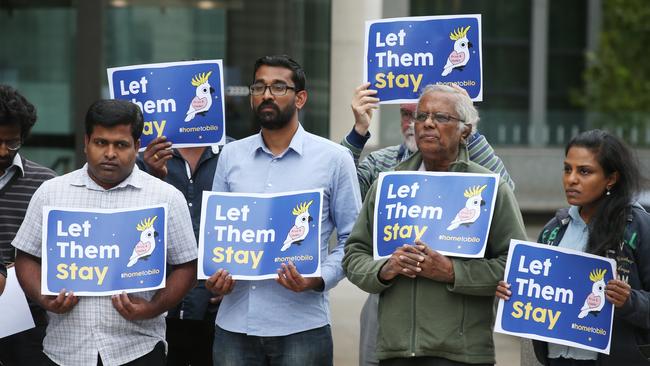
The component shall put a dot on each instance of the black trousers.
(24, 348)
(189, 342)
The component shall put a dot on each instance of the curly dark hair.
(16, 110)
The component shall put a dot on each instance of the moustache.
(268, 103)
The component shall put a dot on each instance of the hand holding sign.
(435, 266)
(405, 261)
(133, 307)
(617, 292)
(220, 283)
(156, 155)
(289, 277)
(60, 304)
(363, 103)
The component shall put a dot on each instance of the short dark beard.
(281, 119)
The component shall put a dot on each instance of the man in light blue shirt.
(283, 321)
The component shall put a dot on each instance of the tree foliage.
(617, 78)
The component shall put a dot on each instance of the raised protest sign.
(403, 55)
(15, 316)
(183, 101)
(251, 235)
(103, 252)
(558, 296)
(450, 212)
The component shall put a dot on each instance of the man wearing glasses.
(453, 304)
(19, 179)
(283, 321)
(363, 104)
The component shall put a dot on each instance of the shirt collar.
(574, 213)
(18, 163)
(82, 179)
(296, 143)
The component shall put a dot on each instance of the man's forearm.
(179, 282)
(28, 270)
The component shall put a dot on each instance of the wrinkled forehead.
(437, 102)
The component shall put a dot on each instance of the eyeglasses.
(276, 89)
(12, 145)
(437, 116)
(404, 113)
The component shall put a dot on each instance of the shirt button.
(190, 204)
(253, 287)
(270, 185)
(191, 181)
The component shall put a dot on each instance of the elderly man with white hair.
(434, 309)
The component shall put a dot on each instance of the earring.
(608, 191)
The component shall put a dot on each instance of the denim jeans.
(311, 347)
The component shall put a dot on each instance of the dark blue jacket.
(631, 328)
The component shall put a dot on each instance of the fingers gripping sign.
(132, 307)
(220, 283)
(290, 278)
(156, 155)
(363, 103)
(405, 260)
(435, 266)
(60, 304)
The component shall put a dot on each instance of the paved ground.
(346, 302)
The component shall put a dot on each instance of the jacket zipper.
(413, 319)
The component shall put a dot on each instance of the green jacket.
(422, 317)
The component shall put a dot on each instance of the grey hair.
(464, 107)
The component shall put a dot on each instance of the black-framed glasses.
(12, 145)
(276, 89)
(436, 116)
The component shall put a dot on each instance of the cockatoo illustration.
(202, 102)
(459, 57)
(596, 300)
(147, 242)
(300, 229)
(472, 209)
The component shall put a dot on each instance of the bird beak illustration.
(211, 90)
(482, 203)
(155, 234)
(470, 45)
(310, 219)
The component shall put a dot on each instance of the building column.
(346, 65)
(538, 129)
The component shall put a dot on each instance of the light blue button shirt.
(265, 308)
(575, 237)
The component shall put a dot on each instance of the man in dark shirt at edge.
(190, 326)
(19, 179)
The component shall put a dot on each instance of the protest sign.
(103, 252)
(558, 296)
(15, 316)
(251, 235)
(183, 101)
(450, 212)
(403, 55)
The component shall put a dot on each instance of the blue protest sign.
(103, 252)
(251, 235)
(403, 55)
(558, 296)
(181, 100)
(450, 212)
